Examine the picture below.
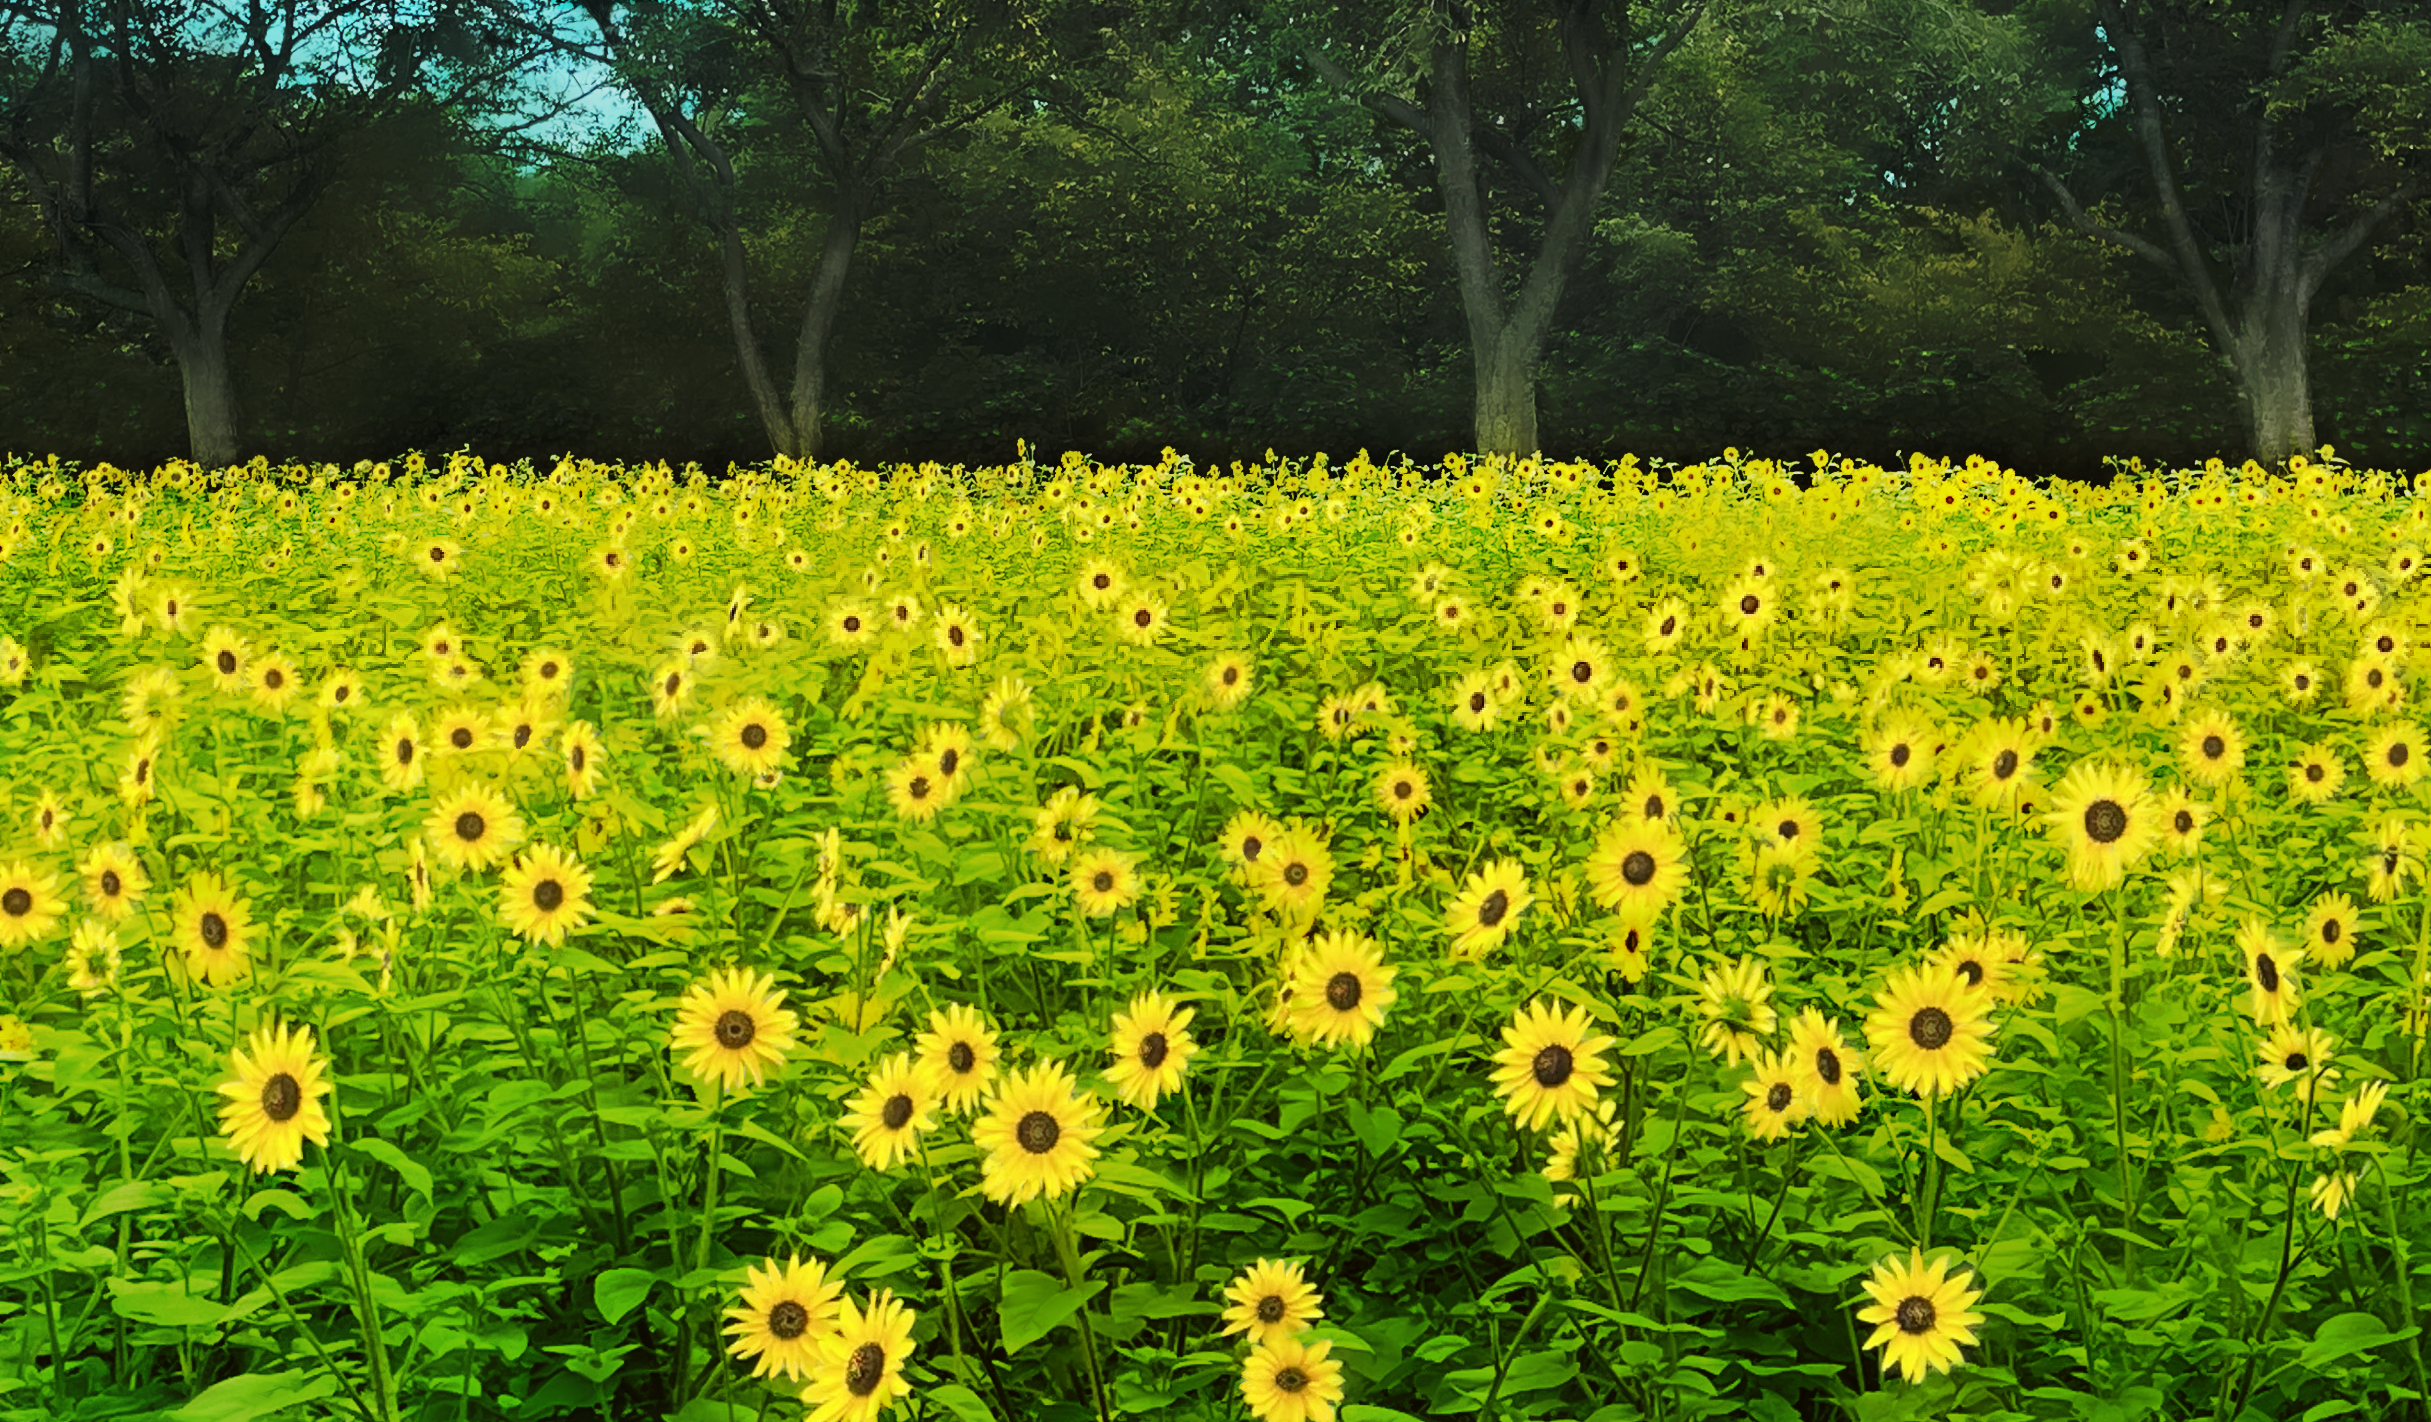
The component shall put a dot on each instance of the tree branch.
(2325, 258)
(1516, 156)
(2084, 224)
(1391, 106)
(2146, 100)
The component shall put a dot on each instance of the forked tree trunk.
(2269, 360)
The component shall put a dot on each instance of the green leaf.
(962, 1402)
(124, 1196)
(1376, 1129)
(167, 1304)
(255, 1395)
(2343, 1335)
(1035, 1304)
(620, 1291)
(415, 1174)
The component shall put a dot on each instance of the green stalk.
(367, 1308)
(700, 1258)
(1088, 1340)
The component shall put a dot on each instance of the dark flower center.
(1038, 1132)
(948, 761)
(954, 634)
(1749, 604)
(896, 1111)
(523, 734)
(675, 682)
(1638, 868)
(852, 622)
(2295, 1061)
(754, 736)
(274, 678)
(1342, 991)
(578, 757)
(1153, 1050)
(17, 902)
(1290, 1380)
(461, 738)
(735, 1029)
(919, 787)
(438, 555)
(1270, 1309)
(2004, 765)
(1402, 789)
(405, 750)
(2105, 821)
(1582, 672)
(470, 827)
(867, 1367)
(111, 884)
(1142, 618)
(1103, 881)
(2266, 972)
(1477, 703)
(227, 663)
(1915, 1314)
(1778, 1098)
(1232, 676)
(1295, 874)
(548, 672)
(1102, 581)
(282, 1097)
(2332, 930)
(2316, 772)
(2214, 747)
(2398, 751)
(1490, 912)
(1669, 623)
(1972, 971)
(2184, 821)
(548, 895)
(1552, 1065)
(214, 930)
(1787, 829)
(1899, 755)
(1252, 847)
(1827, 1065)
(1931, 1028)
(788, 1319)
(961, 1057)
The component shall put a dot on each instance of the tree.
(2255, 126)
(863, 89)
(170, 145)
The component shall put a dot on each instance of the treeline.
(2045, 232)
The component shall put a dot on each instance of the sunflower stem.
(1088, 1339)
(367, 1307)
(2404, 1272)
(700, 1258)
(2118, 1076)
(1928, 1196)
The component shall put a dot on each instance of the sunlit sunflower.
(274, 1102)
(894, 1109)
(1473, 703)
(750, 738)
(93, 958)
(1923, 1312)
(2299, 1055)
(473, 827)
(1402, 791)
(1551, 1066)
(1152, 1048)
(2393, 754)
(1294, 873)
(1637, 868)
(734, 1027)
(957, 635)
(2211, 748)
(1735, 1000)
(958, 1051)
(1487, 908)
(1037, 1136)
(2272, 994)
(2180, 819)
(2329, 931)
(2102, 815)
(1928, 1031)
(671, 690)
(30, 904)
(2315, 774)
(1104, 881)
(785, 1312)
(1229, 680)
(544, 894)
(275, 684)
(227, 659)
(851, 624)
(1271, 1299)
(580, 746)
(1291, 1379)
(214, 930)
(399, 753)
(1342, 989)
(460, 730)
(859, 1369)
(1999, 768)
(1141, 619)
(915, 790)
(2393, 856)
(547, 673)
(1773, 1103)
(1824, 1068)
(947, 744)
(1900, 751)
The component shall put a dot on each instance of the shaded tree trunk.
(201, 348)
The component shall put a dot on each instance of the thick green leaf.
(1036, 1303)
(240, 1399)
(620, 1291)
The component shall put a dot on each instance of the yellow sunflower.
(473, 828)
(274, 1101)
(2393, 755)
(1152, 1049)
(750, 738)
(1999, 769)
(1270, 1300)
(1924, 1314)
(959, 1053)
(2272, 994)
(214, 929)
(915, 790)
(1294, 873)
(1104, 881)
(1487, 908)
(1824, 1068)
(583, 754)
(784, 1313)
(1899, 752)
(400, 753)
(226, 658)
(545, 893)
(1735, 999)
(1637, 869)
(859, 1370)
(1402, 791)
(1928, 1031)
(2329, 931)
(2211, 748)
(2298, 1054)
(29, 903)
(1230, 679)
(2103, 816)
(1341, 989)
(1037, 1136)
(893, 1111)
(1291, 1380)
(1550, 1065)
(2315, 774)
(734, 1027)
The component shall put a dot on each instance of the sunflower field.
(1049, 943)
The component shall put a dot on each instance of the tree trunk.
(1506, 393)
(2270, 364)
(201, 349)
(734, 275)
(819, 323)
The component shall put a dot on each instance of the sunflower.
(1229, 680)
(1487, 908)
(957, 635)
(2299, 682)
(1899, 752)
(734, 1027)
(947, 744)
(2103, 816)
(214, 929)
(1037, 1135)
(1666, 623)
(785, 1312)
(1928, 1031)
(1291, 1380)
(29, 904)
(2211, 748)
(226, 657)
(914, 789)
(274, 1104)
(2315, 774)
(2394, 857)
(892, 1112)
(669, 857)
(859, 1369)
(1141, 619)
(2329, 931)
(400, 753)
(275, 683)
(1789, 821)
(1735, 999)
(1271, 1300)
(114, 880)
(1999, 770)
(1637, 869)
(2270, 974)
(582, 751)
(543, 894)
(1474, 705)
(459, 730)
(850, 624)
(1152, 1048)
(473, 828)
(1923, 1312)
(1340, 989)
(1649, 795)
(750, 738)
(2298, 1054)
(1549, 1066)
(1105, 881)
(1401, 789)
(92, 958)
(1293, 874)
(1823, 1068)
(1579, 667)
(547, 673)
(1774, 1103)
(670, 690)
(958, 1051)
(1779, 874)
(342, 690)
(2393, 755)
